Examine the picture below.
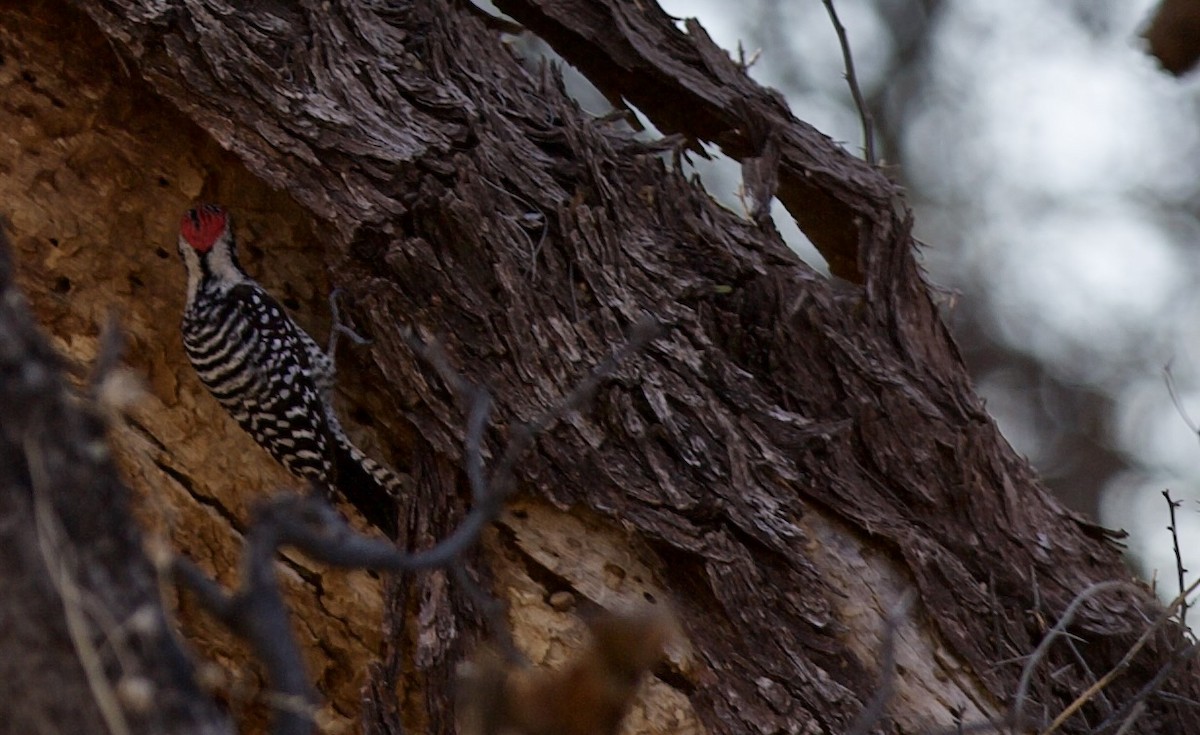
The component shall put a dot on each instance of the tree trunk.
(780, 468)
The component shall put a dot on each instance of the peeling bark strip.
(84, 644)
(687, 84)
(793, 455)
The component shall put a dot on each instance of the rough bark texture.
(791, 457)
(687, 84)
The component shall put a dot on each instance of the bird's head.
(204, 227)
(208, 248)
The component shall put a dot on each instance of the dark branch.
(1180, 572)
(256, 610)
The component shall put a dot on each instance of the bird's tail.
(369, 486)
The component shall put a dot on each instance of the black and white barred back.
(268, 373)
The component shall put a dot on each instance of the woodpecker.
(268, 373)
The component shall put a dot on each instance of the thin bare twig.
(338, 328)
(1169, 378)
(1125, 716)
(852, 80)
(472, 399)
(534, 250)
(1178, 699)
(1017, 712)
(643, 333)
(1180, 572)
(1134, 714)
(1070, 639)
(1121, 665)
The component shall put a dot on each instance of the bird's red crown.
(202, 226)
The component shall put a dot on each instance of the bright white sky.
(1052, 166)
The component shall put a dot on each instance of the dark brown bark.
(787, 460)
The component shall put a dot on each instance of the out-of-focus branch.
(256, 610)
(1174, 35)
